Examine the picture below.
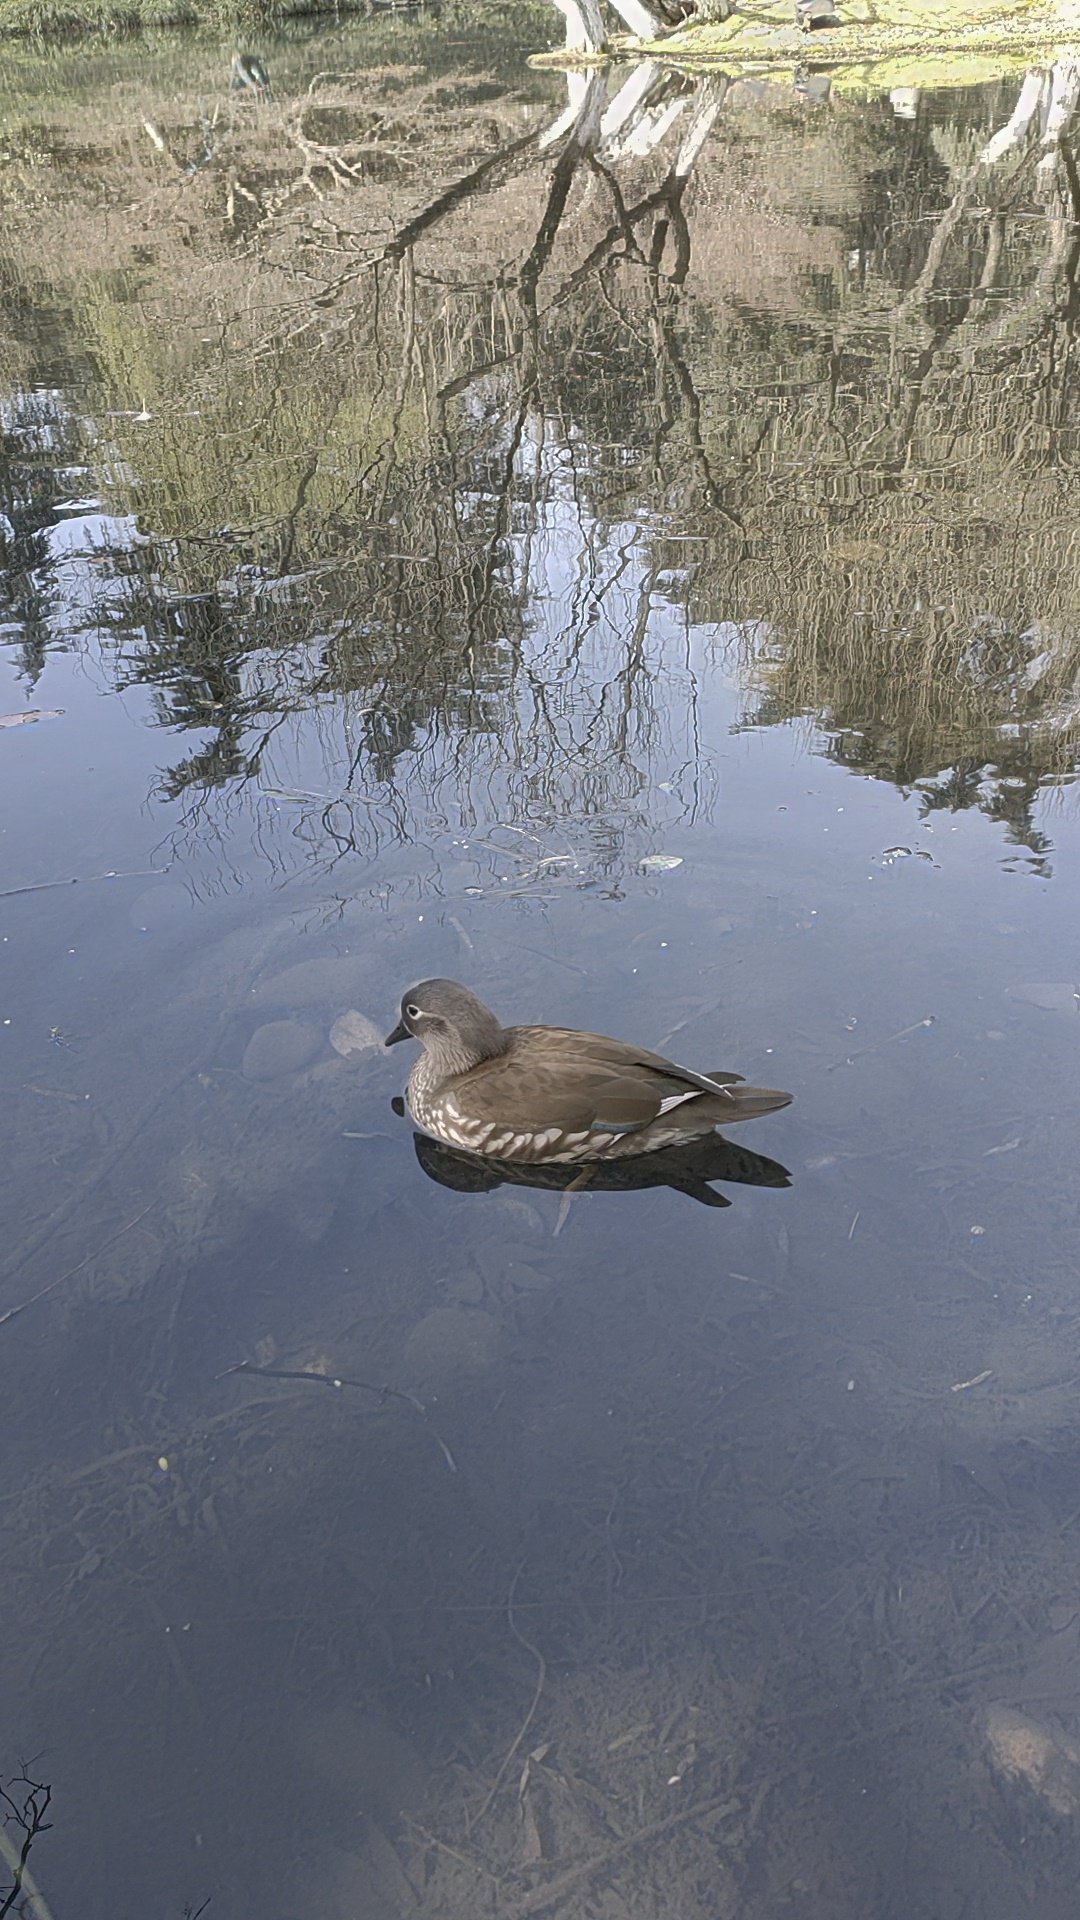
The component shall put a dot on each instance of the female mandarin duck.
(550, 1094)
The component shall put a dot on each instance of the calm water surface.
(417, 518)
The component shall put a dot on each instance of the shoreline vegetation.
(867, 45)
(43, 19)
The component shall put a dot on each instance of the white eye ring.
(412, 1013)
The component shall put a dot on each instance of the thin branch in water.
(335, 1380)
(551, 1895)
(902, 1034)
(541, 1677)
(28, 1814)
(13, 1313)
(45, 886)
(480, 180)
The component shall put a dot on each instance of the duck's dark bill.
(401, 1032)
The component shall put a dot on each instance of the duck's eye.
(412, 1013)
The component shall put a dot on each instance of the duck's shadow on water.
(689, 1169)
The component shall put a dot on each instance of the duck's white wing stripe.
(676, 1099)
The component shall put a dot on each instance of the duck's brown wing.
(534, 1096)
(573, 1082)
(600, 1050)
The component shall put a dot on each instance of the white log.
(628, 103)
(639, 18)
(1064, 93)
(584, 27)
(649, 130)
(581, 114)
(707, 104)
(1012, 133)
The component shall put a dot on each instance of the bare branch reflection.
(446, 479)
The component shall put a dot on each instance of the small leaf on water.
(660, 862)
(32, 713)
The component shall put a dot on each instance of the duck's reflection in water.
(689, 1169)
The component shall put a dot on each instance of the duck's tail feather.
(747, 1103)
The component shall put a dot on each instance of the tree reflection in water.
(417, 468)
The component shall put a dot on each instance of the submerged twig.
(324, 1379)
(703, 1012)
(556, 1890)
(337, 1380)
(873, 1045)
(12, 1313)
(961, 1386)
(467, 943)
(541, 1677)
(44, 886)
(433, 1840)
(579, 1181)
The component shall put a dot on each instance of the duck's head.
(451, 1023)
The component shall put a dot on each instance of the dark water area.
(613, 543)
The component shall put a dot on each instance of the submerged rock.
(451, 1343)
(353, 1034)
(361, 1758)
(280, 1047)
(1023, 1749)
(1050, 996)
(311, 983)
(161, 908)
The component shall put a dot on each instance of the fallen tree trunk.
(886, 42)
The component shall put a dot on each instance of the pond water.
(615, 545)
